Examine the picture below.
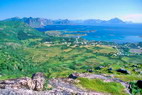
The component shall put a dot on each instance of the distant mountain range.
(40, 22)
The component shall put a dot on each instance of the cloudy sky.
(128, 10)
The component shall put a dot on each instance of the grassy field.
(45, 58)
(98, 85)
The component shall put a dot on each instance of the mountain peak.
(115, 18)
(116, 21)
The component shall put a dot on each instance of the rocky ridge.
(41, 22)
(58, 86)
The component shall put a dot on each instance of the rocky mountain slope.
(40, 22)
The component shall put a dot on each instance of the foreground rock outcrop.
(59, 86)
(35, 83)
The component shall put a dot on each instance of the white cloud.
(133, 17)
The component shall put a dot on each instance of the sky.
(127, 10)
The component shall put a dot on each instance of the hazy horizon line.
(73, 19)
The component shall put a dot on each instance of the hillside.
(16, 30)
(24, 51)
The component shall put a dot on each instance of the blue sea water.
(111, 33)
